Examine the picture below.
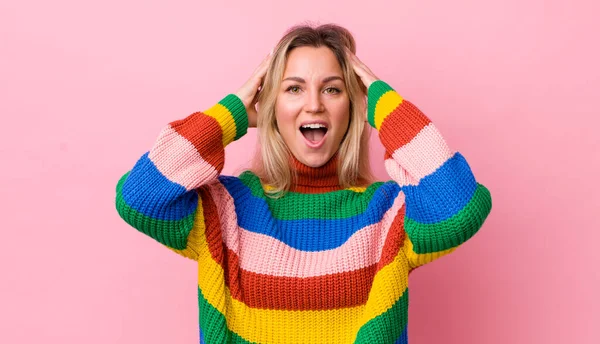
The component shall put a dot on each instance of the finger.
(264, 66)
(360, 69)
(364, 72)
(351, 57)
(259, 73)
(360, 64)
(357, 65)
(268, 58)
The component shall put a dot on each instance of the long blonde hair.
(271, 162)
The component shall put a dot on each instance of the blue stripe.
(442, 194)
(305, 234)
(152, 194)
(403, 339)
(201, 336)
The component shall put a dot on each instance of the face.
(313, 107)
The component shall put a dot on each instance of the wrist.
(238, 112)
(376, 90)
(242, 99)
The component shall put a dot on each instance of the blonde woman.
(305, 247)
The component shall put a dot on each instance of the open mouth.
(314, 133)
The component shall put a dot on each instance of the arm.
(445, 205)
(159, 196)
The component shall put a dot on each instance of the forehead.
(307, 61)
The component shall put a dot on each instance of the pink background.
(85, 89)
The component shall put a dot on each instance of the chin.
(314, 159)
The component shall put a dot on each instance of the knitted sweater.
(322, 264)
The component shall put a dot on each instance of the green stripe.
(213, 324)
(347, 203)
(170, 233)
(386, 327)
(377, 89)
(238, 112)
(429, 238)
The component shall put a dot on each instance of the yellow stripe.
(225, 119)
(385, 105)
(283, 326)
(417, 259)
(267, 187)
(193, 240)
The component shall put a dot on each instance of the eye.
(332, 90)
(293, 89)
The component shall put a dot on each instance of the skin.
(312, 89)
(308, 91)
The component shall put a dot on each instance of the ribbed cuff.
(377, 89)
(238, 113)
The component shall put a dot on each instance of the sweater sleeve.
(161, 195)
(444, 204)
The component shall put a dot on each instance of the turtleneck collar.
(316, 179)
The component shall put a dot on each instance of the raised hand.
(248, 93)
(366, 75)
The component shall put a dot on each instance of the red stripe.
(401, 126)
(332, 291)
(205, 133)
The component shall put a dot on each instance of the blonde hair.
(271, 162)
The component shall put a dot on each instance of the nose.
(314, 103)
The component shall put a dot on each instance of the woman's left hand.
(366, 76)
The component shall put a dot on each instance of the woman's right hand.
(248, 93)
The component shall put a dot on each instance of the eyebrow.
(300, 80)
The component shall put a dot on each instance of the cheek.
(341, 114)
(287, 108)
(285, 123)
(286, 113)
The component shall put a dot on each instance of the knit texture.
(322, 264)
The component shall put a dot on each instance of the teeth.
(314, 126)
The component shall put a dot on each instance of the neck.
(316, 179)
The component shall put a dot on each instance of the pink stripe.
(263, 254)
(424, 154)
(179, 161)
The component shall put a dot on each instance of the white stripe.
(179, 161)
(420, 157)
(263, 254)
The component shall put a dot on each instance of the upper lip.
(316, 121)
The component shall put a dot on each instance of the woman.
(305, 247)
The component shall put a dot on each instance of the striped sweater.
(310, 267)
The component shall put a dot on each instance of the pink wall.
(85, 88)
